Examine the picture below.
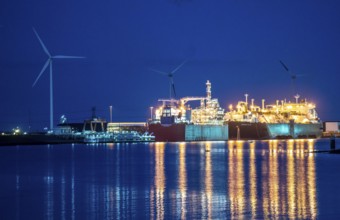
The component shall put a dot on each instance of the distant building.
(127, 126)
(62, 130)
(78, 127)
(331, 128)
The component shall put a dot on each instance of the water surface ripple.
(196, 180)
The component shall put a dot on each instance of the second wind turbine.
(171, 78)
(49, 63)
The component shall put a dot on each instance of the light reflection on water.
(252, 179)
(182, 181)
(235, 183)
(208, 180)
(157, 190)
(208, 184)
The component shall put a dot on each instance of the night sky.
(235, 44)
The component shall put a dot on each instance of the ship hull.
(234, 131)
(248, 131)
(294, 130)
(263, 131)
(165, 133)
(189, 132)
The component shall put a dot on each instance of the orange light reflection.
(252, 179)
(158, 189)
(236, 180)
(182, 182)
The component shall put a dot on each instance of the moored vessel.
(284, 119)
(175, 120)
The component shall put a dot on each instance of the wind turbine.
(49, 63)
(171, 77)
(293, 76)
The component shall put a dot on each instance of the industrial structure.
(175, 120)
(209, 112)
(300, 111)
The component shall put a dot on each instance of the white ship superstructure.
(209, 111)
(300, 111)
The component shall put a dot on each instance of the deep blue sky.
(235, 44)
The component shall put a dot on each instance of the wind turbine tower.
(49, 63)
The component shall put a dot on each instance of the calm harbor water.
(200, 180)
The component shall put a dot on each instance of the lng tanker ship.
(175, 120)
(283, 119)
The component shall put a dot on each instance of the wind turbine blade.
(157, 71)
(284, 66)
(173, 89)
(177, 68)
(42, 43)
(67, 57)
(41, 72)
